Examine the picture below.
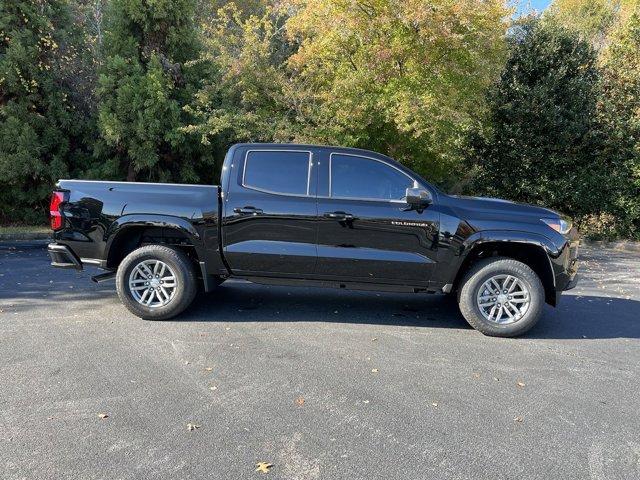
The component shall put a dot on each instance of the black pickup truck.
(316, 215)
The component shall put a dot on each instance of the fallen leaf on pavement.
(103, 415)
(300, 401)
(192, 426)
(263, 467)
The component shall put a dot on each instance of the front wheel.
(156, 282)
(501, 297)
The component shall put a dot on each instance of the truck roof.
(309, 145)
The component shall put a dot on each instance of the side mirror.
(418, 197)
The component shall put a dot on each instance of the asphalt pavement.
(322, 384)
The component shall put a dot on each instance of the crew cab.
(321, 216)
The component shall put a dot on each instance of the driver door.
(366, 232)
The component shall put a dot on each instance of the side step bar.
(103, 277)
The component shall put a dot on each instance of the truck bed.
(96, 211)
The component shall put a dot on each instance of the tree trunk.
(131, 173)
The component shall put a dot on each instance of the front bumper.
(63, 257)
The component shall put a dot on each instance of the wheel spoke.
(508, 311)
(144, 295)
(146, 270)
(165, 293)
(516, 310)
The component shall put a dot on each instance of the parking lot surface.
(322, 384)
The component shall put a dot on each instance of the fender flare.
(508, 236)
(550, 249)
(122, 224)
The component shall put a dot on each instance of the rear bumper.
(63, 257)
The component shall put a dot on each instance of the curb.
(13, 237)
(11, 245)
(621, 245)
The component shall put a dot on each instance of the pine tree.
(544, 144)
(144, 83)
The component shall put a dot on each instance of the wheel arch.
(534, 252)
(131, 231)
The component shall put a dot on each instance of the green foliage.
(593, 20)
(543, 111)
(619, 110)
(145, 81)
(544, 143)
(250, 95)
(401, 78)
(404, 78)
(41, 132)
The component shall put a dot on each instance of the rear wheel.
(501, 297)
(156, 282)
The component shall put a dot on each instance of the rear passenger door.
(270, 213)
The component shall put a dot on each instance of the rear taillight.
(54, 210)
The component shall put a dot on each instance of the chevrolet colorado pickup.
(324, 216)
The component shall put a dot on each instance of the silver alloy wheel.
(503, 299)
(152, 283)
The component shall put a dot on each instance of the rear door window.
(283, 172)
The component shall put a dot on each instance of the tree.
(42, 131)
(403, 78)
(544, 144)
(146, 79)
(620, 112)
(594, 20)
(250, 94)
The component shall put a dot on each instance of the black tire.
(483, 271)
(186, 282)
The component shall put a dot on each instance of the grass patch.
(24, 229)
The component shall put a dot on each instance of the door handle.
(248, 210)
(340, 216)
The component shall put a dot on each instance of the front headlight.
(560, 225)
